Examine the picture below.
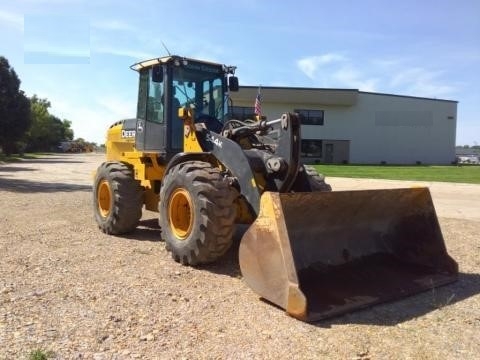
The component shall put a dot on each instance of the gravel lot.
(69, 289)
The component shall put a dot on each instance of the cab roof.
(167, 59)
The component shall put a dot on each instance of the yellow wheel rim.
(104, 197)
(180, 213)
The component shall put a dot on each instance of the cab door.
(150, 127)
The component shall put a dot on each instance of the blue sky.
(77, 53)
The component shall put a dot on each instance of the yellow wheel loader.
(314, 252)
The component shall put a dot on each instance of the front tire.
(117, 198)
(197, 214)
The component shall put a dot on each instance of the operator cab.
(171, 82)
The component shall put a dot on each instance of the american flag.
(258, 103)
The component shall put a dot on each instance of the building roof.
(408, 96)
(467, 151)
(345, 97)
(303, 95)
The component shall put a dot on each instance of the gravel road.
(70, 290)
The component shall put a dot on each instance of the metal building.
(351, 126)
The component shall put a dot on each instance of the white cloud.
(114, 25)
(12, 19)
(117, 107)
(91, 125)
(87, 123)
(407, 76)
(421, 82)
(131, 53)
(387, 64)
(336, 70)
(310, 65)
(54, 50)
(91, 122)
(352, 78)
(133, 43)
(384, 75)
(53, 2)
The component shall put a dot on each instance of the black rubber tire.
(309, 180)
(212, 213)
(316, 180)
(122, 209)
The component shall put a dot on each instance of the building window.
(311, 148)
(242, 112)
(310, 117)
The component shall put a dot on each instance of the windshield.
(200, 86)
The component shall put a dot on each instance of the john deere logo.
(128, 133)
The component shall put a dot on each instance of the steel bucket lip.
(313, 316)
(277, 254)
(330, 295)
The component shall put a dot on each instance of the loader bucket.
(322, 254)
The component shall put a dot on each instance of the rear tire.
(316, 180)
(309, 180)
(197, 214)
(117, 198)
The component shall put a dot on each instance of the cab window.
(155, 102)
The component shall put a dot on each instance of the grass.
(449, 173)
(40, 355)
(469, 174)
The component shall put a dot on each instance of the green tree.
(67, 129)
(40, 132)
(47, 130)
(15, 115)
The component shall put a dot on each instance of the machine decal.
(128, 134)
(214, 140)
(140, 126)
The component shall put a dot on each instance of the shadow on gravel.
(147, 230)
(15, 169)
(58, 160)
(27, 186)
(385, 314)
(228, 264)
(47, 158)
(394, 313)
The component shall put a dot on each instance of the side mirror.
(157, 74)
(233, 83)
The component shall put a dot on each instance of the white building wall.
(402, 130)
(384, 128)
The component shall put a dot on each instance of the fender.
(219, 149)
(183, 157)
(234, 159)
